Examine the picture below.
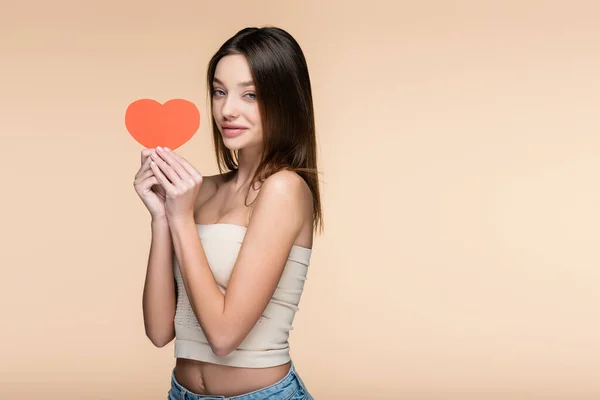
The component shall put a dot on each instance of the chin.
(241, 142)
(237, 143)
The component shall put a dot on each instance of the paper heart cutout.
(169, 125)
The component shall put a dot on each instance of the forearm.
(159, 298)
(204, 294)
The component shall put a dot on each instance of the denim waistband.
(287, 380)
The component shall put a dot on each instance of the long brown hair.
(284, 95)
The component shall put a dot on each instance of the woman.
(230, 252)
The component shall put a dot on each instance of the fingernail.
(167, 149)
(158, 148)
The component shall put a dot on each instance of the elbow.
(223, 346)
(160, 343)
(160, 340)
(221, 351)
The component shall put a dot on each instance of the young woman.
(230, 252)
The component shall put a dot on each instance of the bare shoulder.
(287, 184)
(288, 199)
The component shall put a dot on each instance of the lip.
(233, 132)
(233, 126)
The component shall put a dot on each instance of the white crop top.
(267, 343)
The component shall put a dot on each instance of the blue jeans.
(290, 387)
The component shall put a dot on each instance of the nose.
(229, 108)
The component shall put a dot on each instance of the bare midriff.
(221, 380)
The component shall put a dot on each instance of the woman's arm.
(159, 298)
(281, 208)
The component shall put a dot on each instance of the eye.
(252, 95)
(218, 92)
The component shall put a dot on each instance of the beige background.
(459, 144)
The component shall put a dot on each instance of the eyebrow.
(247, 83)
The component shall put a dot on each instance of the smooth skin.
(179, 197)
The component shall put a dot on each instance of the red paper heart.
(169, 125)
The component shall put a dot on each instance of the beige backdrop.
(459, 145)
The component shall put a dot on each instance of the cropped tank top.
(266, 344)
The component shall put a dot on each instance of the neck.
(248, 160)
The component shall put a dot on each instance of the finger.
(145, 175)
(145, 154)
(146, 185)
(166, 168)
(145, 167)
(143, 186)
(188, 167)
(173, 163)
(162, 179)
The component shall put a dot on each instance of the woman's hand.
(148, 188)
(180, 180)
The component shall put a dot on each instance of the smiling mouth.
(232, 132)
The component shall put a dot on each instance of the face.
(234, 104)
